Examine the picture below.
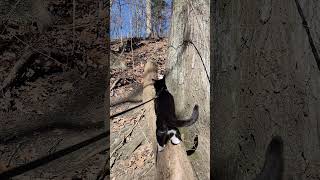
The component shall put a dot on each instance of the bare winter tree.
(158, 17)
(148, 18)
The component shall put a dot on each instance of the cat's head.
(160, 84)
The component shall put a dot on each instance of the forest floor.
(131, 152)
(57, 98)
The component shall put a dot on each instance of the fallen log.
(172, 163)
(150, 71)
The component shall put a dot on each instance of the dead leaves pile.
(139, 158)
(120, 123)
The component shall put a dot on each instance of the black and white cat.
(167, 122)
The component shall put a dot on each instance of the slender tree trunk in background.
(73, 24)
(121, 35)
(187, 78)
(148, 19)
(41, 14)
(106, 27)
(136, 21)
(266, 82)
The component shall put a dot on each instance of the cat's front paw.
(175, 140)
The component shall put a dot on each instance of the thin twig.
(73, 25)
(36, 50)
(111, 166)
(115, 83)
(132, 54)
(14, 153)
(54, 147)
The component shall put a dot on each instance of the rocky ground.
(131, 153)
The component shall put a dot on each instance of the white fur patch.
(160, 76)
(160, 148)
(172, 131)
(175, 140)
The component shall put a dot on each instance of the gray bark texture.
(148, 18)
(187, 78)
(266, 82)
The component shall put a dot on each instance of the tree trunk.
(187, 75)
(41, 14)
(148, 18)
(266, 83)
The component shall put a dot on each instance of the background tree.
(266, 82)
(141, 18)
(158, 17)
(148, 18)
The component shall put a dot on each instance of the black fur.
(166, 115)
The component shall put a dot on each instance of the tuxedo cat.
(167, 121)
(273, 165)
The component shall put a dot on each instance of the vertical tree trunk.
(41, 14)
(187, 80)
(148, 18)
(106, 22)
(266, 82)
(73, 25)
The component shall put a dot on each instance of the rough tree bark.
(266, 82)
(187, 75)
(148, 19)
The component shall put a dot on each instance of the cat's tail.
(273, 165)
(187, 122)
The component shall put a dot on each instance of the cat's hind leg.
(160, 148)
(162, 139)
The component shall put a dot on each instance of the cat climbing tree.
(172, 163)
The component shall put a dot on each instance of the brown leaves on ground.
(140, 161)
(119, 123)
(52, 81)
(138, 158)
